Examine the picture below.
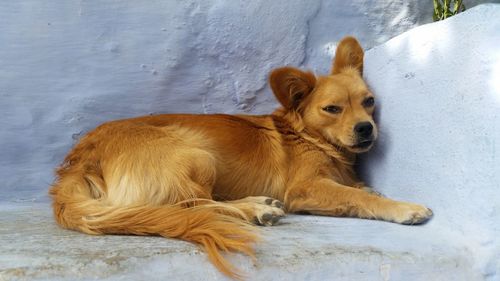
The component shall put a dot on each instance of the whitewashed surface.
(67, 66)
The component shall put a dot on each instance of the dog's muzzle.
(364, 135)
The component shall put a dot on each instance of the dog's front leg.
(362, 186)
(371, 190)
(327, 197)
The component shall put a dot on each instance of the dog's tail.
(216, 227)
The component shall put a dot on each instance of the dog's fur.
(161, 175)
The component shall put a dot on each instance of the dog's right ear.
(349, 54)
(291, 85)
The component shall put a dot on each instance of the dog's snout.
(364, 129)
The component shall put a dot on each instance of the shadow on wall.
(419, 53)
(378, 151)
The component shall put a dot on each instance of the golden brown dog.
(205, 178)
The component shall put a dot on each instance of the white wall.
(439, 95)
(67, 66)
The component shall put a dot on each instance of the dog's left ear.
(349, 54)
(291, 85)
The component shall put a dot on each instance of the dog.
(209, 179)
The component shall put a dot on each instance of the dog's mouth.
(362, 145)
(359, 147)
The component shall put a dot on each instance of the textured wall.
(439, 90)
(67, 66)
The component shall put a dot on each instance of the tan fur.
(173, 175)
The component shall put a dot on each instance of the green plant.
(447, 8)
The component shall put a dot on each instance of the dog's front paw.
(411, 214)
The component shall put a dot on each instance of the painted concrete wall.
(439, 91)
(67, 66)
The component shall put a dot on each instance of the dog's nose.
(364, 129)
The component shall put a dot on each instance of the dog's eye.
(369, 102)
(333, 109)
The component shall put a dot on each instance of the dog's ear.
(349, 54)
(291, 85)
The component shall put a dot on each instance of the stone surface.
(69, 66)
(299, 248)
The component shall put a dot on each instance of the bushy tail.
(213, 226)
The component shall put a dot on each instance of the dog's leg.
(326, 197)
(260, 210)
(263, 200)
(362, 186)
(371, 190)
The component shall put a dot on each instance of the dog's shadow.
(376, 155)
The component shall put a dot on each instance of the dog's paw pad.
(273, 202)
(269, 216)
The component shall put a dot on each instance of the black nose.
(364, 129)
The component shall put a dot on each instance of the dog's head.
(339, 106)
